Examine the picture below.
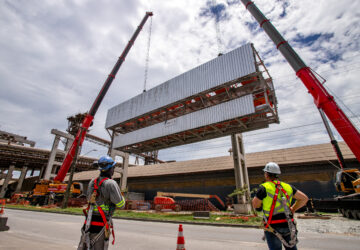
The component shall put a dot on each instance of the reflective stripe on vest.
(104, 207)
(270, 191)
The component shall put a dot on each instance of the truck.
(347, 180)
(46, 191)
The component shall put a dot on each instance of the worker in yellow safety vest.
(104, 197)
(275, 198)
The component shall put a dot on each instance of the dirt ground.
(337, 224)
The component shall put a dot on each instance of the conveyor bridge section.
(232, 93)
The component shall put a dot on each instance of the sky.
(55, 56)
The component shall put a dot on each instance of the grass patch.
(216, 218)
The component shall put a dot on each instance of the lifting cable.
(147, 55)
(217, 28)
(151, 153)
(343, 103)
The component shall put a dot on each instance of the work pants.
(99, 244)
(274, 243)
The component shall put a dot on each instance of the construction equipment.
(46, 191)
(87, 122)
(348, 180)
(43, 188)
(166, 203)
(163, 200)
(323, 100)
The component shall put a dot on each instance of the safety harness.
(106, 226)
(291, 222)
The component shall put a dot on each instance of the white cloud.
(55, 56)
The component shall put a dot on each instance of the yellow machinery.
(45, 190)
(348, 181)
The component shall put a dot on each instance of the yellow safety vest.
(268, 200)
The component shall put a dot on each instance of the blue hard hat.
(105, 163)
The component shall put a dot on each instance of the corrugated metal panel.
(214, 114)
(235, 64)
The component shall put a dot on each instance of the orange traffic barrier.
(180, 239)
(2, 204)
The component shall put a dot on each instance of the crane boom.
(323, 100)
(80, 136)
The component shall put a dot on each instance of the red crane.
(323, 100)
(80, 136)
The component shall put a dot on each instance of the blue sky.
(55, 56)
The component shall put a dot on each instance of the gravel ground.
(337, 224)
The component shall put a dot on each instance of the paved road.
(35, 230)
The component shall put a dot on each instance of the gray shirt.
(109, 197)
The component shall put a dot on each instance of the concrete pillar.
(50, 163)
(124, 176)
(42, 170)
(124, 172)
(21, 179)
(7, 179)
(241, 174)
(69, 142)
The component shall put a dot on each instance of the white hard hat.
(272, 167)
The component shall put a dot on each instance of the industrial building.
(310, 168)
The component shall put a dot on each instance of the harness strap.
(96, 238)
(267, 223)
(278, 185)
(113, 234)
(85, 211)
(97, 223)
(279, 221)
(101, 211)
(272, 206)
(280, 237)
(96, 187)
(103, 217)
(278, 188)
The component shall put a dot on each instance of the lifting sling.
(291, 222)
